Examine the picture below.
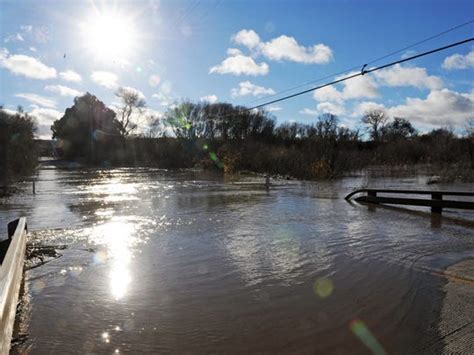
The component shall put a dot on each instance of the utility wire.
(362, 72)
(368, 63)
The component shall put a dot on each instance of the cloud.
(30, 67)
(131, 90)
(154, 80)
(45, 118)
(328, 107)
(70, 75)
(359, 87)
(209, 98)
(63, 90)
(287, 48)
(240, 65)
(247, 38)
(324, 107)
(37, 99)
(459, 61)
(106, 79)
(408, 76)
(164, 93)
(273, 108)
(440, 108)
(284, 48)
(247, 88)
(17, 37)
(364, 107)
(233, 51)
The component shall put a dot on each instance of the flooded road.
(196, 262)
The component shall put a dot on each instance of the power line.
(368, 63)
(363, 72)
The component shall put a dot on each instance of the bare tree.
(376, 121)
(132, 102)
(469, 128)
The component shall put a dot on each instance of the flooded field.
(195, 262)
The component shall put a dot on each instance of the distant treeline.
(18, 155)
(231, 138)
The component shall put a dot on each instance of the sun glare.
(109, 36)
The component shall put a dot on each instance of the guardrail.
(437, 203)
(12, 254)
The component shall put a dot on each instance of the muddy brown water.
(197, 262)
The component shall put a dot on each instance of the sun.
(109, 36)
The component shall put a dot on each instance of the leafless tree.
(132, 104)
(376, 121)
(469, 128)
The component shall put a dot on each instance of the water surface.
(188, 262)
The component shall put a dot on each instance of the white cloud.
(240, 65)
(361, 86)
(440, 108)
(37, 99)
(287, 48)
(45, 118)
(366, 106)
(106, 79)
(24, 65)
(164, 93)
(328, 93)
(133, 91)
(248, 38)
(459, 61)
(70, 75)
(33, 49)
(273, 108)
(247, 88)
(63, 90)
(324, 107)
(233, 52)
(154, 80)
(408, 76)
(284, 48)
(328, 107)
(17, 37)
(358, 87)
(209, 98)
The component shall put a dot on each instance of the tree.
(399, 128)
(133, 102)
(88, 130)
(376, 121)
(18, 154)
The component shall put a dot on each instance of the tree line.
(232, 138)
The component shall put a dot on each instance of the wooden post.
(372, 194)
(436, 196)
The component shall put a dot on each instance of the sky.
(241, 52)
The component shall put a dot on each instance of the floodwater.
(195, 262)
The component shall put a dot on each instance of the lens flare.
(359, 328)
(323, 287)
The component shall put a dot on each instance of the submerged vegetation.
(232, 138)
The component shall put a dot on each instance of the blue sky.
(238, 52)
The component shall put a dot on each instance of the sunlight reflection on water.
(118, 237)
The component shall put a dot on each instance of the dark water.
(193, 262)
